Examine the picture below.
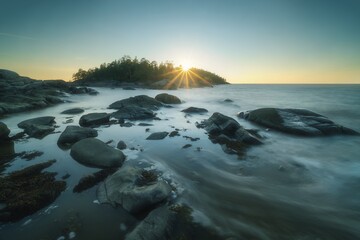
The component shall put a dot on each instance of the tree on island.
(144, 72)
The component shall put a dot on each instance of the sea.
(290, 187)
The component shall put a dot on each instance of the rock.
(73, 134)
(194, 110)
(167, 98)
(121, 145)
(45, 121)
(93, 119)
(157, 136)
(174, 133)
(225, 130)
(39, 131)
(296, 121)
(28, 190)
(187, 146)
(133, 113)
(83, 90)
(134, 188)
(128, 88)
(145, 124)
(73, 111)
(93, 179)
(31, 155)
(7, 74)
(4, 132)
(228, 100)
(142, 101)
(93, 152)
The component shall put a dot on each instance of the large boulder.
(296, 121)
(138, 101)
(133, 113)
(167, 98)
(73, 134)
(45, 121)
(4, 131)
(134, 188)
(93, 119)
(229, 133)
(7, 74)
(194, 110)
(93, 152)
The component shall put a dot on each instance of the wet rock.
(225, 130)
(228, 100)
(142, 101)
(26, 191)
(191, 138)
(121, 145)
(133, 113)
(145, 124)
(194, 110)
(296, 121)
(174, 133)
(167, 98)
(187, 146)
(73, 134)
(83, 90)
(4, 132)
(157, 136)
(93, 179)
(93, 119)
(128, 88)
(93, 152)
(44, 121)
(39, 131)
(135, 189)
(66, 176)
(73, 111)
(171, 223)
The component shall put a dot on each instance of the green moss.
(146, 178)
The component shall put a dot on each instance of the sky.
(244, 41)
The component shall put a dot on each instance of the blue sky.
(245, 41)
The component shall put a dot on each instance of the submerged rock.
(167, 98)
(133, 113)
(93, 119)
(73, 134)
(142, 101)
(93, 152)
(157, 136)
(73, 111)
(225, 130)
(296, 121)
(28, 190)
(134, 188)
(4, 132)
(93, 179)
(195, 110)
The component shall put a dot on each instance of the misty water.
(288, 188)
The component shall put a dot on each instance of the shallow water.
(288, 188)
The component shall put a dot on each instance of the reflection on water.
(288, 188)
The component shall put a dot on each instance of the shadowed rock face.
(167, 98)
(142, 101)
(93, 119)
(296, 121)
(229, 133)
(26, 191)
(93, 152)
(38, 127)
(134, 189)
(4, 131)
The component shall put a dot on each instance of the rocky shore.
(142, 192)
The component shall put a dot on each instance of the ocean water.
(288, 188)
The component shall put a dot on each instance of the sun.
(185, 67)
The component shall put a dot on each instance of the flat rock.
(157, 136)
(39, 131)
(142, 101)
(73, 134)
(73, 111)
(4, 131)
(93, 119)
(133, 113)
(167, 98)
(195, 110)
(296, 121)
(135, 189)
(93, 152)
(45, 121)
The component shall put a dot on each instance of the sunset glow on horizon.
(247, 42)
